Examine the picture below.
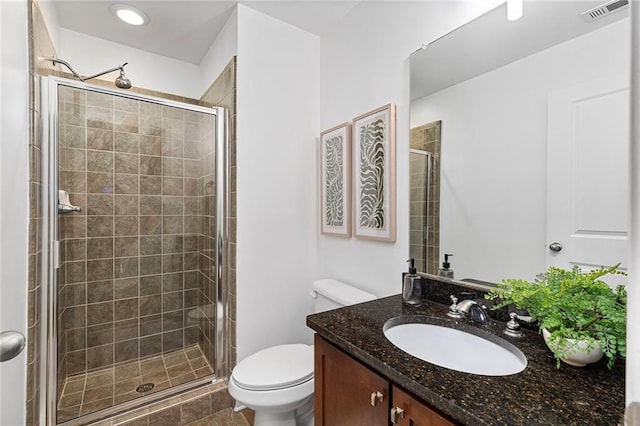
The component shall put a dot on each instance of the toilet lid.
(277, 367)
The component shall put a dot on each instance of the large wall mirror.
(519, 141)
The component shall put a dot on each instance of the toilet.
(277, 382)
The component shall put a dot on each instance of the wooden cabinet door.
(414, 412)
(346, 392)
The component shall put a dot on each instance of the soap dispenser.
(446, 270)
(412, 286)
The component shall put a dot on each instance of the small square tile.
(99, 291)
(125, 267)
(150, 325)
(100, 270)
(127, 142)
(126, 308)
(100, 161)
(126, 329)
(99, 379)
(100, 226)
(94, 406)
(100, 356)
(172, 340)
(150, 285)
(150, 345)
(126, 205)
(127, 371)
(100, 139)
(70, 400)
(151, 205)
(182, 379)
(99, 313)
(99, 335)
(126, 287)
(126, 350)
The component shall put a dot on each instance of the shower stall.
(135, 249)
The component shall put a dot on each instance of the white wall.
(89, 55)
(365, 64)
(494, 153)
(50, 16)
(220, 53)
(278, 109)
(14, 190)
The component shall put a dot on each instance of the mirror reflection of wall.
(496, 127)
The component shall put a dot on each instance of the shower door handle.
(11, 344)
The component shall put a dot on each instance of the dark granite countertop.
(540, 395)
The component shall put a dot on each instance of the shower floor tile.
(87, 393)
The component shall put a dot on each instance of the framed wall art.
(335, 168)
(374, 160)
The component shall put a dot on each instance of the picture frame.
(374, 163)
(335, 181)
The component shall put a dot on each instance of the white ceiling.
(185, 29)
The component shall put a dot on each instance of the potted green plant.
(577, 312)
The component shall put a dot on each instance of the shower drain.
(145, 387)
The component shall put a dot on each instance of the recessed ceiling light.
(514, 9)
(129, 14)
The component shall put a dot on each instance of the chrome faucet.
(477, 312)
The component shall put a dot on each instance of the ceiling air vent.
(604, 9)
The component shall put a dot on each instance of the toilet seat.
(277, 367)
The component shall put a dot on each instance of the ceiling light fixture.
(130, 14)
(514, 9)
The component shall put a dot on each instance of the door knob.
(11, 344)
(555, 247)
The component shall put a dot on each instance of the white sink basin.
(456, 349)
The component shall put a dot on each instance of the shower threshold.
(90, 392)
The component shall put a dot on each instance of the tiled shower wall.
(425, 212)
(131, 254)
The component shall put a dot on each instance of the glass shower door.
(137, 279)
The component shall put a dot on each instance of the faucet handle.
(454, 312)
(513, 326)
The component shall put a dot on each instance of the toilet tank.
(332, 294)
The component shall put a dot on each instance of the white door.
(588, 175)
(14, 158)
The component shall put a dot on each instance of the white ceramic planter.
(580, 357)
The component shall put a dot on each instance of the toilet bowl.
(277, 382)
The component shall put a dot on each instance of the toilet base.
(282, 407)
(264, 418)
(303, 416)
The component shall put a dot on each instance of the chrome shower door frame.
(48, 136)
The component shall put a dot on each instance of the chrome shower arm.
(121, 68)
(66, 64)
(83, 78)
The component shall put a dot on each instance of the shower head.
(122, 81)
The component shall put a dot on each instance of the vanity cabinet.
(349, 394)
